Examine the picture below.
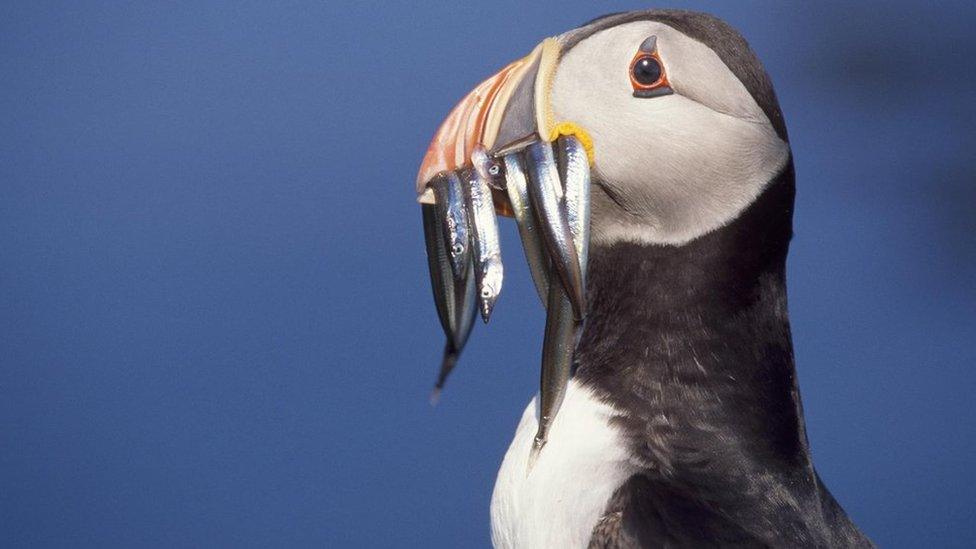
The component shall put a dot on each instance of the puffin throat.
(692, 342)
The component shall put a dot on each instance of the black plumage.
(692, 344)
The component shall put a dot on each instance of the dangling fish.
(549, 195)
(453, 288)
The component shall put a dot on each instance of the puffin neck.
(698, 334)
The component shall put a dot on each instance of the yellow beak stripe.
(569, 128)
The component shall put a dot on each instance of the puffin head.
(678, 118)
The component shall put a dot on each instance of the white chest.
(560, 500)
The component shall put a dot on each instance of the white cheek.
(677, 168)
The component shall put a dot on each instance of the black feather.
(692, 343)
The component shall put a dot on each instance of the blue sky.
(215, 321)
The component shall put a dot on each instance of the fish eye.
(648, 77)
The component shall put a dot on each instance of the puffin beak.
(508, 109)
(500, 151)
(462, 174)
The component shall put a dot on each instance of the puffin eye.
(647, 75)
(647, 71)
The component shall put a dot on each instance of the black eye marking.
(649, 45)
(647, 74)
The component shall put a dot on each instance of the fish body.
(563, 326)
(449, 197)
(557, 362)
(454, 299)
(525, 218)
(574, 172)
(489, 272)
(546, 197)
(549, 195)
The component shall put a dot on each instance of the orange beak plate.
(477, 118)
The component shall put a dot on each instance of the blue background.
(215, 321)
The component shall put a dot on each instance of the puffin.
(680, 422)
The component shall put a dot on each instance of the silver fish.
(574, 172)
(557, 362)
(466, 310)
(453, 298)
(535, 252)
(550, 211)
(449, 197)
(484, 235)
(562, 329)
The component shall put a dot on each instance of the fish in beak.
(502, 151)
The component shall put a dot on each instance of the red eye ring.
(644, 65)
